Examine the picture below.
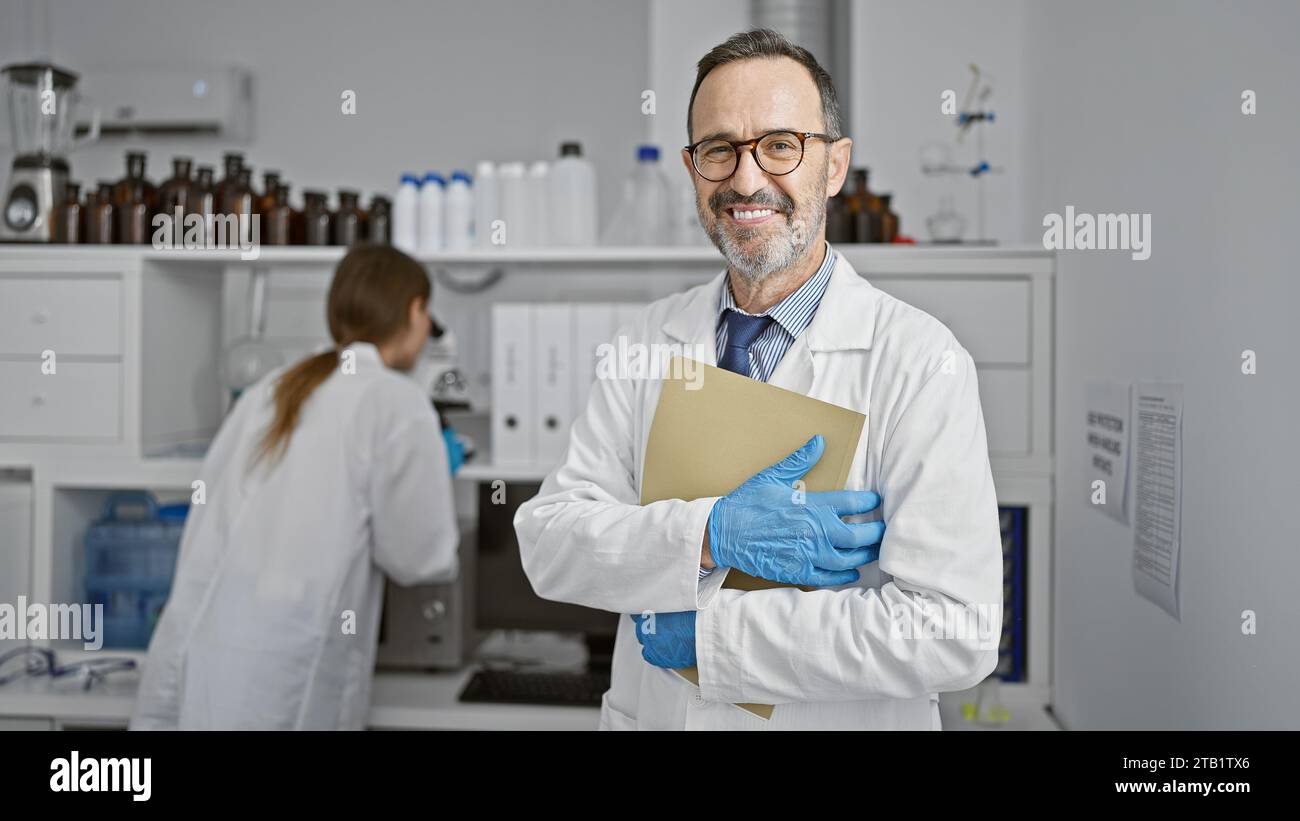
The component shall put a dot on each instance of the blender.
(42, 105)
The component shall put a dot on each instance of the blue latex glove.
(455, 450)
(760, 529)
(672, 642)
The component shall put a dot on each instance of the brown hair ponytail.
(369, 300)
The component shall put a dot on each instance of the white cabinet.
(62, 344)
(70, 315)
(79, 400)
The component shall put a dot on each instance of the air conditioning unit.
(170, 101)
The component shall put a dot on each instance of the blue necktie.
(742, 330)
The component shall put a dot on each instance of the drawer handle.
(38, 399)
(41, 316)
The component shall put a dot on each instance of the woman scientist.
(324, 476)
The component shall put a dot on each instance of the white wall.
(1135, 107)
(439, 85)
(905, 55)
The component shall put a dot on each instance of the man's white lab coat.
(273, 617)
(864, 656)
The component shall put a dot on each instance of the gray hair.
(766, 43)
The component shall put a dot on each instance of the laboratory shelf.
(600, 255)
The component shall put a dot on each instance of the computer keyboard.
(549, 688)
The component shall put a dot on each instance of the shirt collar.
(796, 311)
(365, 350)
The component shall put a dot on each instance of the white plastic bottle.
(458, 215)
(539, 190)
(430, 211)
(642, 218)
(514, 204)
(573, 199)
(487, 199)
(405, 218)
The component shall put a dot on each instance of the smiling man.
(910, 602)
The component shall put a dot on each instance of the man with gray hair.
(766, 150)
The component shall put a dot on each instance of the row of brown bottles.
(122, 212)
(857, 214)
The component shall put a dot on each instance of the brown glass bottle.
(297, 226)
(277, 221)
(316, 218)
(888, 219)
(101, 226)
(238, 198)
(87, 204)
(174, 198)
(263, 202)
(133, 212)
(867, 218)
(135, 186)
(379, 229)
(232, 163)
(201, 200)
(66, 219)
(348, 224)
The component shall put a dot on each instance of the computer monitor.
(504, 597)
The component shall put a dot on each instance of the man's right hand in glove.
(767, 529)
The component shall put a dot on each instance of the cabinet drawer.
(70, 316)
(1005, 398)
(990, 318)
(81, 401)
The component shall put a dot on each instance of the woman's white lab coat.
(827, 658)
(274, 613)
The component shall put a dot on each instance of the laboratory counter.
(399, 701)
(404, 701)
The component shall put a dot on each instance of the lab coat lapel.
(696, 325)
(845, 321)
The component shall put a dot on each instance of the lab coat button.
(699, 699)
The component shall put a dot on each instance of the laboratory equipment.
(42, 106)
(31, 661)
(553, 688)
(134, 198)
(68, 215)
(348, 223)
(316, 218)
(487, 203)
(379, 223)
(504, 600)
(642, 217)
(936, 158)
(458, 213)
(429, 626)
(573, 198)
(539, 193)
(279, 218)
(250, 357)
(130, 560)
(430, 206)
(408, 215)
(101, 225)
(946, 225)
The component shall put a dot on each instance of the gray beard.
(778, 254)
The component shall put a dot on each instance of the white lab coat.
(826, 658)
(273, 617)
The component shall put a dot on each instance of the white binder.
(553, 369)
(513, 385)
